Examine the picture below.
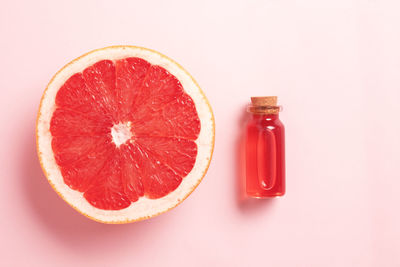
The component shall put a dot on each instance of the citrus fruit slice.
(124, 133)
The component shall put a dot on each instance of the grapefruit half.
(124, 133)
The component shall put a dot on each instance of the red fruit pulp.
(124, 129)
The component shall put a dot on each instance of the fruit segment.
(131, 170)
(130, 75)
(159, 151)
(106, 191)
(100, 83)
(80, 173)
(175, 153)
(68, 123)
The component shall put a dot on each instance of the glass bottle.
(265, 149)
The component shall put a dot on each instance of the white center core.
(121, 133)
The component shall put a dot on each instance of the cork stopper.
(264, 101)
(264, 105)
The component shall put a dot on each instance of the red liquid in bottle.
(265, 150)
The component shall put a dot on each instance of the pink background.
(335, 66)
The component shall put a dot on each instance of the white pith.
(144, 207)
(121, 133)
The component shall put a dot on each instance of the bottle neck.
(268, 117)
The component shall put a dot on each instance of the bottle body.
(265, 156)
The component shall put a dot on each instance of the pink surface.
(335, 68)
